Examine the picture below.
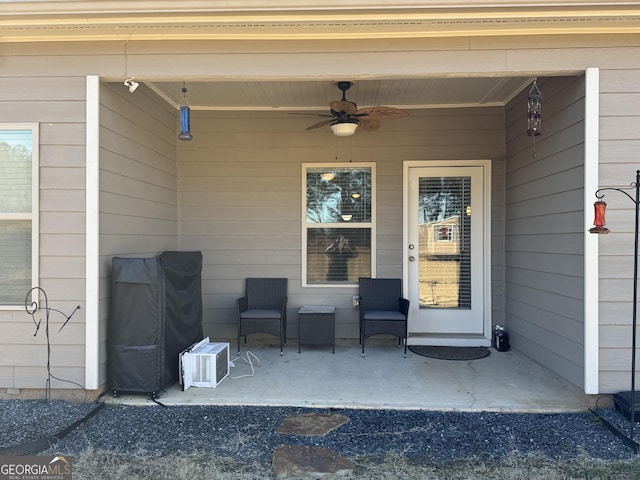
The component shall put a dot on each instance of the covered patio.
(117, 182)
(384, 379)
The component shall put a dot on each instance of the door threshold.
(448, 341)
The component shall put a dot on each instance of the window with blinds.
(445, 242)
(338, 223)
(18, 211)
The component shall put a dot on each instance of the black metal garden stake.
(32, 307)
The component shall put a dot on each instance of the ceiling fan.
(346, 116)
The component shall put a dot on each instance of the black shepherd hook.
(635, 186)
(632, 186)
(32, 307)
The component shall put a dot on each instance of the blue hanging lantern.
(185, 119)
(185, 124)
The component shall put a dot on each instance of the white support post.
(591, 258)
(92, 270)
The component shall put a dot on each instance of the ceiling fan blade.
(382, 112)
(310, 114)
(343, 107)
(320, 124)
(368, 118)
(369, 123)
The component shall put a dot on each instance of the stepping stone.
(314, 462)
(311, 424)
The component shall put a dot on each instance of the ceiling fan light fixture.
(347, 116)
(344, 129)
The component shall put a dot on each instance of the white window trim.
(34, 216)
(305, 225)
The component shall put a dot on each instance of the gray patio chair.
(263, 309)
(382, 309)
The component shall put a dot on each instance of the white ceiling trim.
(305, 25)
(51, 7)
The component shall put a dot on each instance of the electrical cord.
(601, 397)
(248, 360)
(86, 392)
(628, 441)
(47, 442)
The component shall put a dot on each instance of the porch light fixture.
(344, 129)
(600, 227)
(185, 118)
(131, 84)
(534, 110)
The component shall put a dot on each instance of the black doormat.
(450, 353)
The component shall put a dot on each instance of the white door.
(447, 252)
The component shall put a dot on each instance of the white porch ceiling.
(315, 95)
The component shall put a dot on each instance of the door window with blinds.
(445, 242)
(18, 212)
(338, 223)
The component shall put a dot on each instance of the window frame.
(305, 226)
(34, 215)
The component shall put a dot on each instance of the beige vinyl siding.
(240, 196)
(58, 106)
(238, 182)
(619, 160)
(138, 211)
(544, 228)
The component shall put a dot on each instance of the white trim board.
(92, 270)
(591, 259)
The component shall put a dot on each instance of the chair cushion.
(255, 313)
(384, 315)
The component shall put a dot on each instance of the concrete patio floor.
(384, 379)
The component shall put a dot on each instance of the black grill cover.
(136, 325)
(156, 312)
(183, 293)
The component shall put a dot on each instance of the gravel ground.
(247, 433)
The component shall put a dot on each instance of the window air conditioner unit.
(204, 364)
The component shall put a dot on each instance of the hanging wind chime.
(534, 113)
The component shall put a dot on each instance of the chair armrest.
(243, 304)
(403, 306)
(361, 306)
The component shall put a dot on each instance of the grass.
(200, 466)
